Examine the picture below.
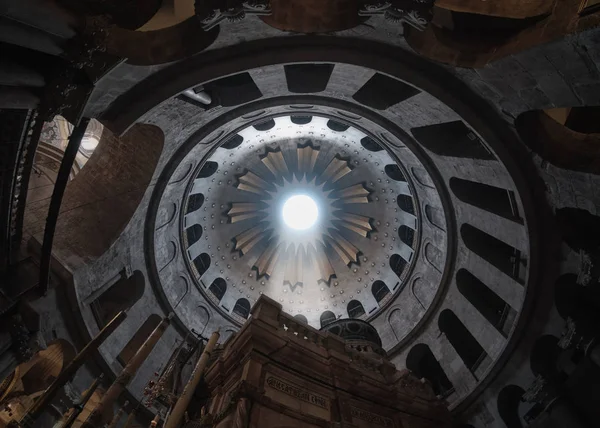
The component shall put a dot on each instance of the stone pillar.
(131, 418)
(71, 416)
(98, 417)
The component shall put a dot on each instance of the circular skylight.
(300, 212)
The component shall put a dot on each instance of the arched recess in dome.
(508, 402)
(544, 356)
(503, 256)
(568, 138)
(487, 302)
(218, 288)
(355, 309)
(202, 263)
(138, 339)
(380, 290)
(405, 202)
(467, 347)
(398, 264)
(406, 235)
(327, 317)
(492, 199)
(242, 308)
(452, 139)
(579, 228)
(394, 172)
(121, 295)
(98, 206)
(574, 300)
(421, 361)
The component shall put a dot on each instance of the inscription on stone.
(297, 392)
(372, 418)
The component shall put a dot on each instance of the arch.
(508, 402)
(264, 125)
(122, 295)
(380, 290)
(574, 300)
(94, 194)
(406, 235)
(307, 78)
(570, 142)
(492, 199)
(242, 308)
(421, 361)
(233, 142)
(370, 144)
(452, 139)
(461, 339)
(327, 317)
(208, 169)
(406, 204)
(355, 309)
(138, 339)
(300, 120)
(202, 263)
(398, 264)
(544, 356)
(504, 257)
(579, 228)
(301, 318)
(218, 288)
(394, 172)
(193, 233)
(334, 125)
(489, 304)
(195, 202)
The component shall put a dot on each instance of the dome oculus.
(300, 212)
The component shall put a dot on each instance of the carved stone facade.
(277, 371)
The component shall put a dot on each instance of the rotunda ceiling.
(360, 245)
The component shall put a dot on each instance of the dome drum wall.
(454, 288)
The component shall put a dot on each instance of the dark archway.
(508, 403)
(488, 303)
(355, 309)
(327, 317)
(218, 288)
(379, 290)
(242, 308)
(467, 347)
(122, 295)
(421, 361)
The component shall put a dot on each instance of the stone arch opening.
(122, 295)
(498, 253)
(508, 403)
(488, 303)
(421, 361)
(242, 308)
(327, 317)
(461, 339)
(218, 288)
(380, 290)
(355, 309)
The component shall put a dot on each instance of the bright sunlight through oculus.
(300, 212)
